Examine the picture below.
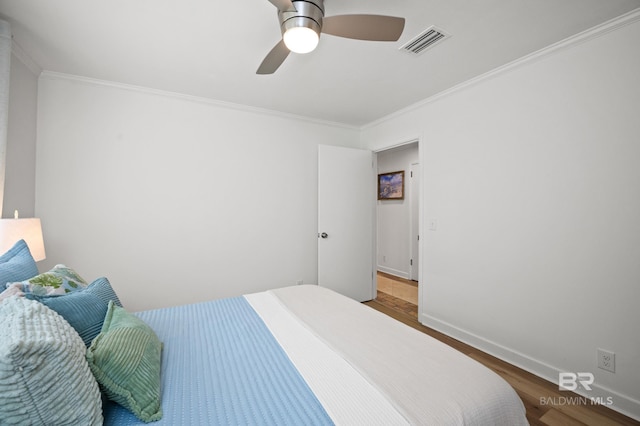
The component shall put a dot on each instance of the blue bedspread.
(222, 366)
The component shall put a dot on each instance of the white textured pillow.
(44, 377)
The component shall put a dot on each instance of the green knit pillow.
(125, 360)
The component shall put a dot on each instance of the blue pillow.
(85, 309)
(17, 264)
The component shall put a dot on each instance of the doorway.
(397, 230)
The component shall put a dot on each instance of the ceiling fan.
(302, 21)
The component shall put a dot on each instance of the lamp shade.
(29, 230)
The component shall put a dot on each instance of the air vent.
(425, 40)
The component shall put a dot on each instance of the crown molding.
(24, 57)
(191, 98)
(569, 42)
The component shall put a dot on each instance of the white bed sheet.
(424, 380)
(347, 397)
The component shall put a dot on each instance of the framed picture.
(391, 186)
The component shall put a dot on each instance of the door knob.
(324, 235)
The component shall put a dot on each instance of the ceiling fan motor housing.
(309, 14)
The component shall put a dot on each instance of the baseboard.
(612, 399)
(393, 272)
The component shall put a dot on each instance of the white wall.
(175, 199)
(20, 177)
(533, 174)
(393, 216)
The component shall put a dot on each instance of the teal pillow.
(44, 375)
(17, 264)
(125, 360)
(59, 280)
(84, 310)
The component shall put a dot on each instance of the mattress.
(307, 355)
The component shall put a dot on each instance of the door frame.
(414, 228)
(421, 219)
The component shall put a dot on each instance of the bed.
(307, 355)
(301, 355)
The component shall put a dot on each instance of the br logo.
(573, 381)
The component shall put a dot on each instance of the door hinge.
(412, 174)
(411, 262)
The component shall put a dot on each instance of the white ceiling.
(212, 48)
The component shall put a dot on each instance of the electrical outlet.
(607, 360)
(299, 282)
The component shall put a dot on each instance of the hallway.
(398, 294)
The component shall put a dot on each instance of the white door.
(415, 221)
(346, 190)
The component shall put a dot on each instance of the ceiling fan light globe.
(301, 39)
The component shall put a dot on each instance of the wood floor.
(398, 293)
(545, 404)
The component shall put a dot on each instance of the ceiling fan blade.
(283, 5)
(364, 27)
(274, 59)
